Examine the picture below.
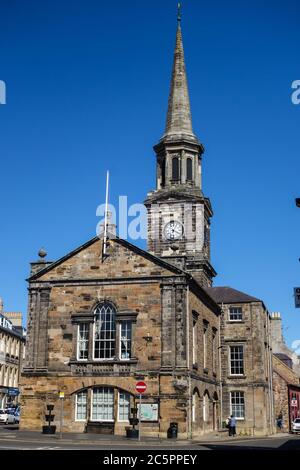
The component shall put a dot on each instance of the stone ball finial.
(42, 253)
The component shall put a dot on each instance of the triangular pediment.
(123, 260)
(169, 196)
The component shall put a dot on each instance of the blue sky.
(87, 88)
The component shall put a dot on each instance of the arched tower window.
(189, 169)
(163, 173)
(175, 169)
(105, 332)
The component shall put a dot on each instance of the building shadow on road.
(292, 444)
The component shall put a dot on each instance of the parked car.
(296, 425)
(9, 416)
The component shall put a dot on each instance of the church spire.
(179, 121)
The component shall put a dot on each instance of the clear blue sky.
(87, 87)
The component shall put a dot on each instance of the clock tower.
(178, 212)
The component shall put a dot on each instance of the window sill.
(236, 376)
(132, 360)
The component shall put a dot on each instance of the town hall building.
(98, 323)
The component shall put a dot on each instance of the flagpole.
(105, 219)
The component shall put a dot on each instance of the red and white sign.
(294, 403)
(141, 387)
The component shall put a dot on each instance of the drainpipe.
(189, 413)
(220, 370)
(271, 396)
(253, 388)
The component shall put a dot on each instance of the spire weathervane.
(179, 11)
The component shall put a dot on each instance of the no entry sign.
(141, 387)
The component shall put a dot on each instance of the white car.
(7, 417)
(296, 425)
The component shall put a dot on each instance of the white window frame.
(119, 402)
(194, 407)
(234, 374)
(91, 409)
(205, 408)
(76, 405)
(214, 351)
(194, 340)
(205, 332)
(235, 320)
(120, 340)
(103, 359)
(244, 405)
(78, 342)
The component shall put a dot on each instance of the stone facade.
(245, 335)
(160, 300)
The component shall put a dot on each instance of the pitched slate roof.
(228, 295)
(285, 358)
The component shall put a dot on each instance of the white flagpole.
(105, 220)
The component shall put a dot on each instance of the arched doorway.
(102, 409)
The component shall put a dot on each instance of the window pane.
(235, 314)
(205, 345)
(104, 332)
(125, 338)
(124, 406)
(103, 404)
(83, 341)
(81, 405)
(237, 360)
(237, 403)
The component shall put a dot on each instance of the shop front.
(294, 403)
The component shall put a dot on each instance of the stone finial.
(42, 253)
(1, 305)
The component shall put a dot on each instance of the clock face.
(173, 230)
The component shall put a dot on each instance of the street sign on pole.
(140, 387)
(61, 397)
(297, 297)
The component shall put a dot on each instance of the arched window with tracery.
(105, 332)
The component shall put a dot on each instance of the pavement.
(14, 439)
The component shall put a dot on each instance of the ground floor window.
(102, 404)
(81, 406)
(205, 408)
(194, 408)
(124, 406)
(237, 404)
